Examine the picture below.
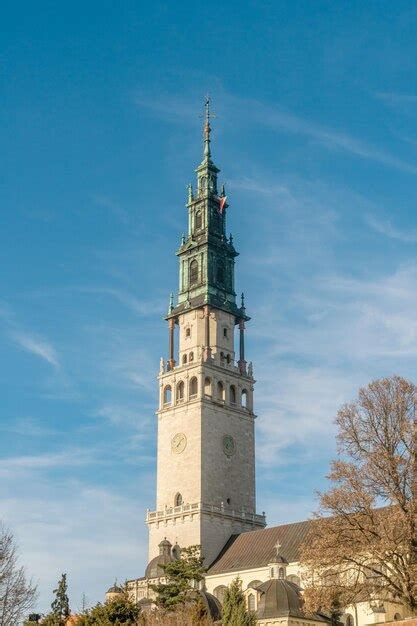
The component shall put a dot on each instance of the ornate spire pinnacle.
(171, 303)
(207, 129)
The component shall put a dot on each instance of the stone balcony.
(185, 510)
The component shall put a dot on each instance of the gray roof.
(282, 598)
(257, 548)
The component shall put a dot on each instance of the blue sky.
(316, 137)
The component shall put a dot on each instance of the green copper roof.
(206, 255)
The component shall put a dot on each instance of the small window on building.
(184, 359)
(397, 617)
(225, 334)
(228, 500)
(191, 356)
(244, 399)
(220, 391)
(232, 394)
(251, 602)
(220, 592)
(188, 332)
(193, 387)
(178, 500)
(167, 395)
(207, 386)
(198, 220)
(180, 391)
(228, 358)
(193, 272)
(220, 273)
(281, 572)
(349, 620)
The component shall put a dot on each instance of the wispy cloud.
(38, 346)
(138, 306)
(385, 227)
(275, 117)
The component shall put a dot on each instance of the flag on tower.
(222, 202)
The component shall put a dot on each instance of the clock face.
(229, 446)
(178, 443)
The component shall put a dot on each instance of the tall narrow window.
(180, 391)
(207, 386)
(193, 387)
(220, 391)
(167, 395)
(251, 602)
(198, 220)
(244, 399)
(193, 272)
(232, 394)
(220, 273)
(184, 359)
(178, 500)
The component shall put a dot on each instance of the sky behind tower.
(316, 139)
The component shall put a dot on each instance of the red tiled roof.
(257, 548)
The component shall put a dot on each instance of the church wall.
(228, 477)
(179, 473)
(216, 531)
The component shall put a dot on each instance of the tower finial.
(171, 303)
(207, 128)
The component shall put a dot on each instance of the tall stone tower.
(206, 447)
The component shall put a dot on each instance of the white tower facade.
(206, 435)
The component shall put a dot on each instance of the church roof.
(257, 548)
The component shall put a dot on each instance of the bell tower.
(206, 439)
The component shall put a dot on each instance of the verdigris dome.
(281, 598)
(165, 556)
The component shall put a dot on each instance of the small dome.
(211, 603)
(281, 598)
(154, 569)
(115, 589)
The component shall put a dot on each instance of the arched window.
(193, 387)
(193, 272)
(228, 358)
(178, 500)
(254, 584)
(349, 620)
(167, 395)
(220, 391)
(281, 572)
(184, 359)
(220, 592)
(188, 332)
(180, 391)
(207, 386)
(232, 394)
(220, 273)
(191, 356)
(198, 220)
(397, 616)
(251, 602)
(244, 399)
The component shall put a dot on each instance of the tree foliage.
(181, 577)
(234, 607)
(117, 612)
(363, 544)
(60, 605)
(17, 594)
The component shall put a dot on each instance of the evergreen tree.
(117, 612)
(181, 578)
(60, 606)
(234, 607)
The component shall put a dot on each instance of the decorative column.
(242, 362)
(171, 360)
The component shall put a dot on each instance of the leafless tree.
(363, 542)
(17, 594)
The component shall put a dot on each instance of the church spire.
(207, 130)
